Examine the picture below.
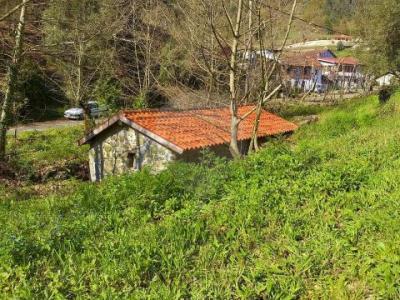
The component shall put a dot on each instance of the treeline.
(181, 53)
(333, 14)
(128, 53)
(125, 53)
(114, 51)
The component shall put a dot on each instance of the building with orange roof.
(135, 139)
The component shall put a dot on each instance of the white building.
(385, 79)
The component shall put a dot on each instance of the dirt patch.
(10, 175)
(62, 171)
(7, 172)
(58, 180)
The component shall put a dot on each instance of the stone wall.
(121, 149)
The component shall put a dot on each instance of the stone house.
(134, 139)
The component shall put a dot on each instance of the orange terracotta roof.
(205, 127)
(194, 129)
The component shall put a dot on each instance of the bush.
(38, 98)
(385, 93)
(152, 98)
(340, 46)
(108, 92)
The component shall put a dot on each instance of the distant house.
(345, 72)
(386, 79)
(269, 54)
(132, 140)
(316, 70)
(343, 37)
(303, 70)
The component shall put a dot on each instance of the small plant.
(140, 101)
(385, 93)
(340, 46)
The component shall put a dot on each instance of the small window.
(131, 160)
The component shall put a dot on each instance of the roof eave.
(121, 118)
(152, 135)
(99, 129)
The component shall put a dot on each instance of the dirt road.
(40, 126)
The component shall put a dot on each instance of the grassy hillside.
(315, 217)
(42, 162)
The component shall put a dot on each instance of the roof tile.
(203, 128)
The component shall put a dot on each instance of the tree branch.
(14, 10)
(262, 102)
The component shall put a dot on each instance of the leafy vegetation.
(290, 110)
(347, 52)
(318, 218)
(32, 153)
(378, 26)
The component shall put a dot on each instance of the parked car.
(77, 113)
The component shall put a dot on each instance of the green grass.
(347, 52)
(315, 217)
(290, 110)
(36, 150)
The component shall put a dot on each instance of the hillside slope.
(316, 217)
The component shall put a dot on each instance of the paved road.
(40, 126)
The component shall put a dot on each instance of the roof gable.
(307, 58)
(341, 61)
(194, 129)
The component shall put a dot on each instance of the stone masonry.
(121, 149)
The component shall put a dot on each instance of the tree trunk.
(11, 83)
(250, 50)
(234, 148)
(78, 94)
(254, 139)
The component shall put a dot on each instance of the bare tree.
(81, 45)
(235, 119)
(267, 75)
(12, 78)
(236, 37)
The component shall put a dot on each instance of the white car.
(77, 113)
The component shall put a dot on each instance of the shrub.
(38, 98)
(108, 92)
(385, 93)
(340, 46)
(34, 153)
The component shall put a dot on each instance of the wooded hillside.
(125, 53)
